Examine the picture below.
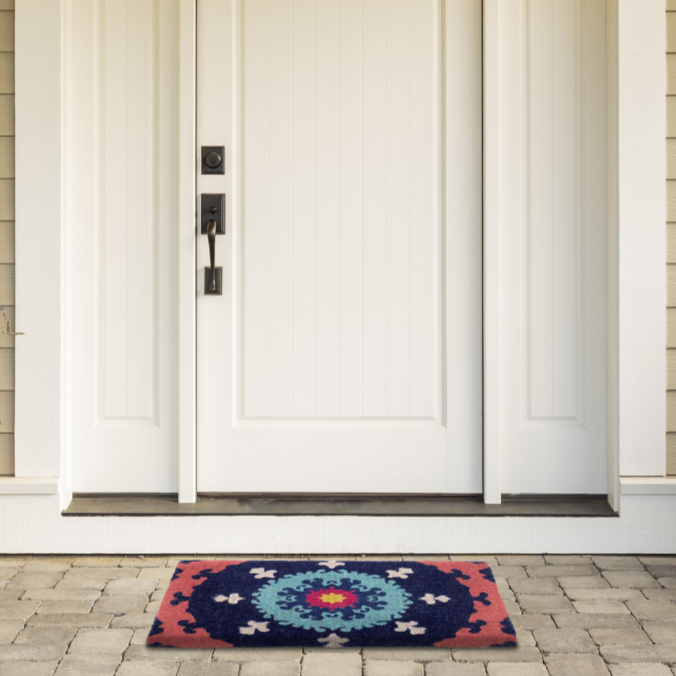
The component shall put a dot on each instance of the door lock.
(212, 159)
(213, 223)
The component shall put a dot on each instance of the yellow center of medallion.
(332, 598)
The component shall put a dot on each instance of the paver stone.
(575, 665)
(88, 665)
(198, 669)
(253, 654)
(511, 669)
(97, 641)
(654, 669)
(564, 641)
(454, 669)
(632, 579)
(28, 668)
(393, 668)
(634, 636)
(319, 664)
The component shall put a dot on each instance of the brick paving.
(575, 616)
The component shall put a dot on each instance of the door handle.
(211, 236)
(213, 223)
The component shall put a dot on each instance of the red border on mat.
(492, 615)
(170, 616)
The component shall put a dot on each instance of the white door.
(344, 354)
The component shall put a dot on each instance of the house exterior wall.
(6, 237)
(671, 237)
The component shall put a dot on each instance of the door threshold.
(249, 504)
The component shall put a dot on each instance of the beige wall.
(671, 236)
(6, 236)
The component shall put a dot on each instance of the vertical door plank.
(351, 265)
(375, 208)
(115, 246)
(328, 209)
(423, 226)
(540, 261)
(566, 209)
(398, 208)
(142, 214)
(281, 208)
(256, 234)
(304, 196)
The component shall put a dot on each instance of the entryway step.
(336, 505)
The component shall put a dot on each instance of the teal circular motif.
(332, 600)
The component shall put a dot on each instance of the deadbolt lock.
(213, 159)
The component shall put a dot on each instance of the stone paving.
(575, 616)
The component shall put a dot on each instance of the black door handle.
(211, 236)
(213, 223)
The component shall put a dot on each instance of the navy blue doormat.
(262, 604)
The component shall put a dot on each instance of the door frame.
(636, 245)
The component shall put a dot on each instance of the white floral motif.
(260, 573)
(403, 573)
(332, 563)
(233, 599)
(431, 599)
(410, 626)
(254, 627)
(333, 641)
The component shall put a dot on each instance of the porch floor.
(576, 615)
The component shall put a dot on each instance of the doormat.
(332, 604)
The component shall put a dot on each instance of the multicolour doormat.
(332, 604)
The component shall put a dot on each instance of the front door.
(343, 354)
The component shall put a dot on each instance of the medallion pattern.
(331, 604)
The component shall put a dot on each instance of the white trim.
(39, 236)
(33, 524)
(187, 454)
(648, 485)
(642, 238)
(29, 486)
(612, 271)
(491, 262)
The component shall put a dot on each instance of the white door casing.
(345, 353)
(351, 318)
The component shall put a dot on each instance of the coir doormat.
(252, 604)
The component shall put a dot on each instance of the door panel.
(374, 240)
(124, 214)
(552, 164)
(325, 355)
